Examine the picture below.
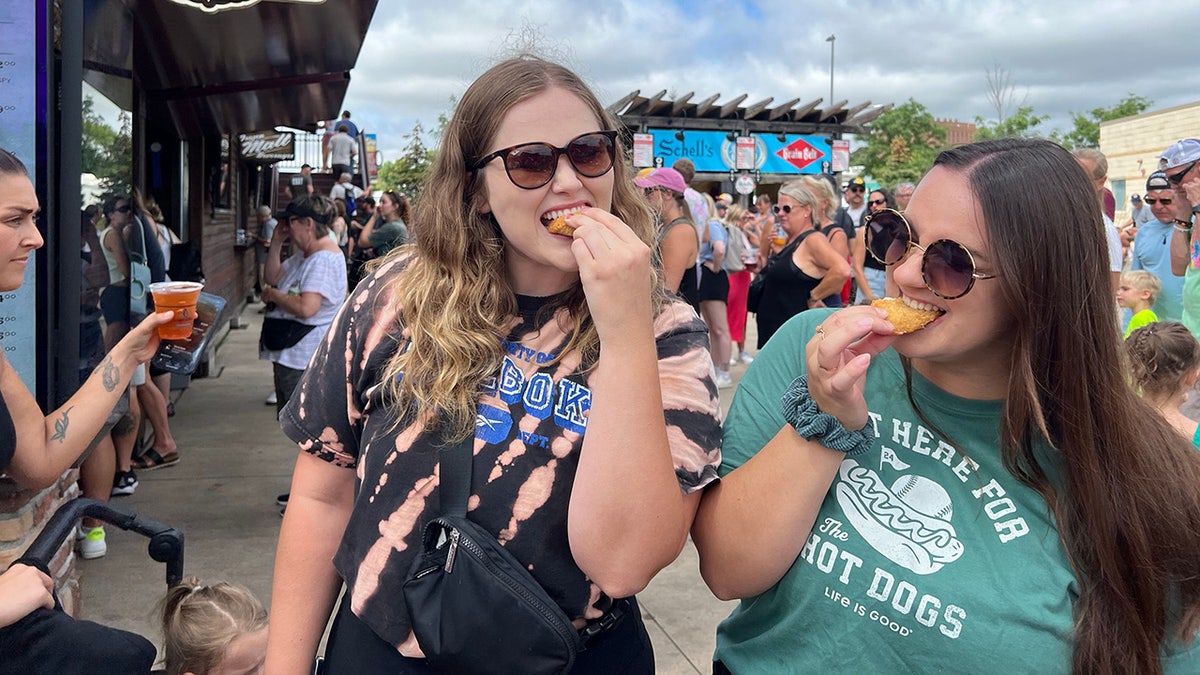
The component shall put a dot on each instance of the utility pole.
(831, 39)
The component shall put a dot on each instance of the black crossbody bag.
(473, 606)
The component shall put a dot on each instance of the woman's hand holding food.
(837, 357)
(614, 267)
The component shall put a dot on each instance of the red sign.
(799, 153)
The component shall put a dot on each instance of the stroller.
(50, 641)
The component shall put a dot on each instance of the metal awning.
(223, 66)
(791, 117)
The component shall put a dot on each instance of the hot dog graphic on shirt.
(909, 522)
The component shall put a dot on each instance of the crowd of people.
(864, 481)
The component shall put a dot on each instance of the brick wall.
(23, 513)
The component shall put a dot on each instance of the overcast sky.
(1062, 57)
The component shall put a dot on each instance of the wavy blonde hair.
(457, 305)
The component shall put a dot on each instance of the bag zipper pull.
(453, 550)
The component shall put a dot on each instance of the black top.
(786, 292)
(8, 435)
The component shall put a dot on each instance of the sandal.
(150, 460)
(170, 409)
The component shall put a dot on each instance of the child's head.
(1138, 289)
(213, 629)
(1164, 358)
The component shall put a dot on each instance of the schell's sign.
(267, 146)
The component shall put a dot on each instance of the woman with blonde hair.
(548, 353)
(805, 271)
(839, 234)
(737, 221)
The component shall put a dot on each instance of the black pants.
(286, 380)
(354, 648)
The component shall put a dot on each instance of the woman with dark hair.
(970, 496)
(585, 391)
(393, 231)
(805, 271)
(868, 271)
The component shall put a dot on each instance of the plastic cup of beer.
(180, 297)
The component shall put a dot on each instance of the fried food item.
(906, 319)
(559, 226)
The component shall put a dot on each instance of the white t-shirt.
(1115, 259)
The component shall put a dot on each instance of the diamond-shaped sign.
(799, 153)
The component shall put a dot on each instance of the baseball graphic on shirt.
(908, 523)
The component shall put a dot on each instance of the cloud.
(1062, 57)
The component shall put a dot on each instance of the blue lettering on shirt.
(574, 400)
(492, 424)
(539, 395)
(512, 381)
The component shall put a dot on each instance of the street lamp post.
(831, 40)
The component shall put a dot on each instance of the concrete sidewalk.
(235, 460)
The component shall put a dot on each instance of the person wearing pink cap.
(677, 246)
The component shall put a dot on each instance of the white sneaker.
(90, 542)
(724, 381)
(746, 358)
(733, 362)
(271, 400)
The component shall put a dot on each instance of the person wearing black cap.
(305, 289)
(1151, 248)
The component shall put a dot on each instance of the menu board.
(19, 70)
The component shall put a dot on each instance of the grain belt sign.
(267, 146)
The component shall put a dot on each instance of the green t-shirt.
(923, 558)
(1146, 316)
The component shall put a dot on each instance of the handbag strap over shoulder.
(455, 476)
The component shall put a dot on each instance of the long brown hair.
(456, 300)
(1128, 502)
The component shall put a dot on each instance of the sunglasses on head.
(947, 267)
(1178, 178)
(532, 165)
(1166, 201)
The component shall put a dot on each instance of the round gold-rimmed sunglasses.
(947, 266)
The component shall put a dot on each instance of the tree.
(1086, 133)
(107, 153)
(902, 144)
(406, 173)
(1020, 124)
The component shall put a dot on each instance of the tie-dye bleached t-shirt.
(530, 425)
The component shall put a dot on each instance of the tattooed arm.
(48, 445)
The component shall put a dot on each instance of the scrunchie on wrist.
(800, 411)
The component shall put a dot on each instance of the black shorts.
(713, 285)
(114, 304)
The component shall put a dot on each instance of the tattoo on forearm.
(60, 426)
(110, 374)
